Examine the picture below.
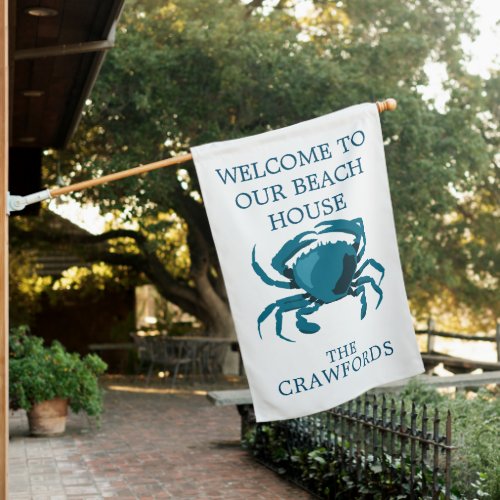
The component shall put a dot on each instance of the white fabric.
(328, 170)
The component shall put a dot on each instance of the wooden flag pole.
(121, 175)
(19, 202)
(387, 105)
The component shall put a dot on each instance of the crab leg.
(264, 277)
(302, 324)
(360, 290)
(373, 263)
(369, 280)
(295, 302)
(282, 306)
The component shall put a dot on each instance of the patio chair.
(143, 350)
(213, 359)
(157, 351)
(174, 356)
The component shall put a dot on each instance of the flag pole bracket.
(16, 202)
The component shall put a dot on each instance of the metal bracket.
(16, 203)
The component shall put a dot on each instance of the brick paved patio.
(150, 445)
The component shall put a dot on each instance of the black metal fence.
(366, 447)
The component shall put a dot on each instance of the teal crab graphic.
(325, 271)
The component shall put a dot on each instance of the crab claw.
(264, 277)
(289, 249)
(354, 227)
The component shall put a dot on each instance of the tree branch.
(135, 261)
(118, 233)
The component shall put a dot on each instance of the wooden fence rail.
(432, 333)
(451, 335)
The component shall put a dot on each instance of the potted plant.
(45, 380)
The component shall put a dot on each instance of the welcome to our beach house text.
(327, 174)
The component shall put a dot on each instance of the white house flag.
(304, 229)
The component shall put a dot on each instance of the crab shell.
(326, 271)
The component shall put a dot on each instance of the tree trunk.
(203, 303)
(221, 320)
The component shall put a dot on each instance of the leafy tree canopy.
(186, 72)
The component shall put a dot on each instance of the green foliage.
(475, 465)
(421, 394)
(189, 72)
(29, 292)
(38, 373)
(332, 473)
(476, 434)
(25, 286)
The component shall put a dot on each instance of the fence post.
(448, 457)
(424, 446)
(498, 340)
(431, 326)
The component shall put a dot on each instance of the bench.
(230, 397)
(242, 398)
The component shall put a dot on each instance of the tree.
(187, 72)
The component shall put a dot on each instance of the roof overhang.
(57, 48)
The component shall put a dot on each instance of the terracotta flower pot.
(48, 417)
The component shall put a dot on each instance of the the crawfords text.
(344, 361)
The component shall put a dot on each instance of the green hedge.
(476, 434)
(325, 472)
(332, 474)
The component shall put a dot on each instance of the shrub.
(38, 373)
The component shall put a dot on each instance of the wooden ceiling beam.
(49, 90)
(64, 50)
